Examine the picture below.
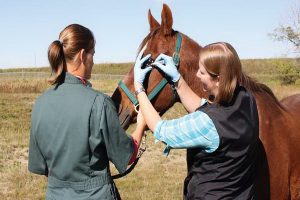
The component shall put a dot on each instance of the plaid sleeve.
(192, 130)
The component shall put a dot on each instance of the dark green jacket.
(75, 132)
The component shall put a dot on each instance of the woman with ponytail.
(75, 130)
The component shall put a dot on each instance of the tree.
(290, 32)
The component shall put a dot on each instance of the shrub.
(288, 72)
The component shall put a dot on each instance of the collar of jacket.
(74, 80)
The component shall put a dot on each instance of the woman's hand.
(139, 73)
(168, 67)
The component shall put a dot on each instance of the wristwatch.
(175, 84)
(139, 91)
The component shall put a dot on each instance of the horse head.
(161, 39)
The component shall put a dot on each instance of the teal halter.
(161, 84)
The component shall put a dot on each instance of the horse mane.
(258, 88)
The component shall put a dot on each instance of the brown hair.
(71, 40)
(220, 59)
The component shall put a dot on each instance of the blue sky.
(28, 27)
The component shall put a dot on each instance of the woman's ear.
(82, 55)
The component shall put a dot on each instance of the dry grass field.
(155, 176)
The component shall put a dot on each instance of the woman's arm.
(149, 113)
(193, 130)
(139, 131)
(200, 136)
(137, 137)
(187, 96)
(190, 100)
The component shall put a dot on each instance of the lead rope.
(143, 145)
(141, 150)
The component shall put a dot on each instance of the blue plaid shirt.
(190, 131)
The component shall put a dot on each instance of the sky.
(28, 27)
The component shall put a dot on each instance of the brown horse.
(278, 125)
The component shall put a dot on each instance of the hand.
(139, 73)
(168, 67)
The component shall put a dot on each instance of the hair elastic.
(61, 43)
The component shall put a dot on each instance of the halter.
(160, 85)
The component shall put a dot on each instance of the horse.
(279, 164)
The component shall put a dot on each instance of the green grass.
(251, 66)
(16, 182)
(155, 176)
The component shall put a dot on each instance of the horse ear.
(152, 21)
(166, 20)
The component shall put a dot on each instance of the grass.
(106, 68)
(155, 176)
(15, 109)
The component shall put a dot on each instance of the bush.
(289, 72)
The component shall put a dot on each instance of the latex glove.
(139, 73)
(167, 66)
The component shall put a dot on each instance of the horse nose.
(125, 118)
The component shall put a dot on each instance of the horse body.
(273, 132)
(292, 106)
(279, 165)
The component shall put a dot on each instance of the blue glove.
(168, 67)
(139, 73)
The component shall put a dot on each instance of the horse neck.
(267, 104)
(263, 94)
